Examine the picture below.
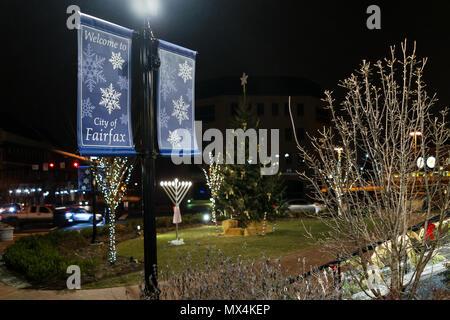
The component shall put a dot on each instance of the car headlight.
(68, 215)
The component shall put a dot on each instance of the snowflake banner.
(104, 88)
(175, 100)
(84, 179)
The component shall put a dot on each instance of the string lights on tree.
(112, 176)
(214, 179)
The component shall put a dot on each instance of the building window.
(260, 109)
(275, 109)
(286, 109)
(300, 109)
(322, 115)
(234, 107)
(288, 134)
(205, 113)
(300, 134)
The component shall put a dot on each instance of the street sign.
(175, 99)
(104, 88)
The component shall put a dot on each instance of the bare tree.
(386, 118)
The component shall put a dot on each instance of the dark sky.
(318, 40)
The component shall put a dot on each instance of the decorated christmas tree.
(246, 195)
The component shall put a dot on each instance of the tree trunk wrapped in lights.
(112, 176)
(214, 180)
(384, 103)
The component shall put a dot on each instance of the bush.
(87, 232)
(38, 258)
(166, 221)
(226, 278)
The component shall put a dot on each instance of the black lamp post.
(94, 217)
(149, 65)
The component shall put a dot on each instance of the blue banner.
(84, 178)
(104, 88)
(175, 100)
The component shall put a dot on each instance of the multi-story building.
(217, 100)
(33, 171)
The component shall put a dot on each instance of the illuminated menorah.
(176, 191)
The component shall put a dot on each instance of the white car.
(74, 214)
(301, 205)
(31, 214)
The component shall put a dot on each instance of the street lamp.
(338, 193)
(339, 151)
(415, 134)
(146, 8)
(149, 63)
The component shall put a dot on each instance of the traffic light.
(76, 164)
(51, 165)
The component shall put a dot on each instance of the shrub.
(223, 278)
(38, 258)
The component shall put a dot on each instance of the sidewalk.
(118, 293)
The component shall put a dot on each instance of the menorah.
(176, 191)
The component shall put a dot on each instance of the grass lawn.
(289, 237)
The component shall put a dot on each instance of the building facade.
(33, 172)
(217, 101)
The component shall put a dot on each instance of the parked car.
(10, 208)
(31, 214)
(48, 214)
(73, 214)
(301, 205)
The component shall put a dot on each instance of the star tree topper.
(244, 80)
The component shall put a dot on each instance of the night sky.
(321, 41)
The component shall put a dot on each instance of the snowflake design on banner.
(163, 118)
(86, 180)
(110, 98)
(174, 139)
(122, 83)
(167, 78)
(92, 68)
(86, 108)
(124, 119)
(185, 71)
(116, 60)
(180, 110)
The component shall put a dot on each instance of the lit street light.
(339, 151)
(415, 134)
(338, 193)
(149, 64)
